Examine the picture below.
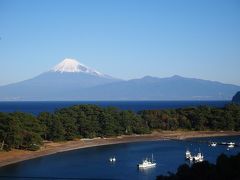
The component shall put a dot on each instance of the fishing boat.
(230, 145)
(112, 159)
(147, 163)
(198, 158)
(213, 144)
(187, 154)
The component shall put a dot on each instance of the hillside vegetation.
(25, 131)
(226, 168)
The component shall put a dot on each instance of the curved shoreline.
(49, 148)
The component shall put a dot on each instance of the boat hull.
(147, 166)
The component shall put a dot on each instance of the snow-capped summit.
(73, 66)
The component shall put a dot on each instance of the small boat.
(112, 159)
(213, 144)
(224, 143)
(187, 154)
(147, 163)
(198, 158)
(231, 145)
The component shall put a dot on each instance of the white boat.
(224, 143)
(191, 158)
(188, 154)
(230, 145)
(147, 163)
(112, 159)
(213, 144)
(198, 158)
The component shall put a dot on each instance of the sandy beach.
(48, 148)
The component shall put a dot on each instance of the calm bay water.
(40, 106)
(92, 163)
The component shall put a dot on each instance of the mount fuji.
(73, 66)
(62, 81)
(71, 80)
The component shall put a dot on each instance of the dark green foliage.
(226, 168)
(197, 118)
(20, 130)
(109, 125)
(24, 131)
(45, 121)
(125, 119)
(4, 131)
(90, 121)
(56, 130)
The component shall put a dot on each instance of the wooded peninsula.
(25, 131)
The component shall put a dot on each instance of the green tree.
(4, 130)
(56, 129)
(45, 120)
(108, 124)
(70, 127)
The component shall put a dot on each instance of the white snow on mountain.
(73, 66)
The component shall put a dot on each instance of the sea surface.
(40, 106)
(93, 163)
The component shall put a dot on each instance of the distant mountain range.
(71, 80)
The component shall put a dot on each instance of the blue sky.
(126, 38)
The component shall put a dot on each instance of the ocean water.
(40, 106)
(92, 163)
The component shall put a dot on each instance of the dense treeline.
(19, 130)
(90, 121)
(195, 118)
(226, 168)
(25, 131)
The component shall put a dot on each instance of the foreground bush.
(226, 168)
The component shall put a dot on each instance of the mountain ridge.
(71, 80)
(168, 88)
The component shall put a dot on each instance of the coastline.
(14, 156)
